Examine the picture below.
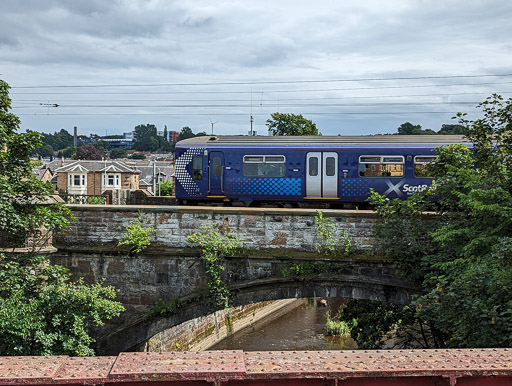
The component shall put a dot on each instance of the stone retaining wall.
(202, 333)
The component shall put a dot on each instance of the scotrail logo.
(401, 187)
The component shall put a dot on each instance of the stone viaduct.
(274, 240)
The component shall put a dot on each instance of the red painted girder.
(383, 367)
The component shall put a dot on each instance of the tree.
(45, 151)
(102, 146)
(461, 257)
(165, 188)
(41, 311)
(88, 152)
(451, 129)
(408, 128)
(145, 137)
(138, 156)
(291, 124)
(185, 133)
(68, 152)
(117, 153)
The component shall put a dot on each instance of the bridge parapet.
(102, 226)
(396, 367)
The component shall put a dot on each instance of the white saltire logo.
(394, 188)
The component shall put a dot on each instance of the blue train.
(286, 169)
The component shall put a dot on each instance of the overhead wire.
(268, 81)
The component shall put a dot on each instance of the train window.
(197, 168)
(253, 158)
(313, 166)
(369, 160)
(274, 158)
(381, 166)
(216, 166)
(264, 166)
(330, 166)
(420, 163)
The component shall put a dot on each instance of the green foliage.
(68, 152)
(102, 146)
(45, 151)
(408, 128)
(334, 327)
(41, 311)
(305, 269)
(327, 243)
(137, 235)
(215, 246)
(117, 153)
(291, 124)
(372, 322)
(57, 141)
(138, 156)
(166, 188)
(461, 255)
(166, 307)
(96, 200)
(146, 138)
(20, 190)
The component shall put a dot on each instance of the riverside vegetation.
(42, 312)
(459, 254)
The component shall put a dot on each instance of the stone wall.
(201, 333)
(292, 229)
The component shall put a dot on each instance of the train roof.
(388, 139)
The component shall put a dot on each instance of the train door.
(322, 175)
(216, 174)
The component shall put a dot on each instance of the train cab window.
(197, 168)
(381, 166)
(313, 166)
(330, 166)
(420, 163)
(216, 166)
(264, 166)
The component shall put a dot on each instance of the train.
(298, 170)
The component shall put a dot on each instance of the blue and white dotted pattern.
(181, 174)
(354, 187)
(266, 186)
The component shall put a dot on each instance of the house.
(95, 177)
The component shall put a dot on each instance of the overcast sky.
(351, 67)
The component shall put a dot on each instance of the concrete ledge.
(221, 210)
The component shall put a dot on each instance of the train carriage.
(337, 169)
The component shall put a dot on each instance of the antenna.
(252, 119)
(213, 123)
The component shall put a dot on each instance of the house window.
(77, 180)
(381, 166)
(112, 180)
(420, 163)
(264, 166)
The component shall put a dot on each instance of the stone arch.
(135, 334)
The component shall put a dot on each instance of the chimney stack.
(75, 144)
